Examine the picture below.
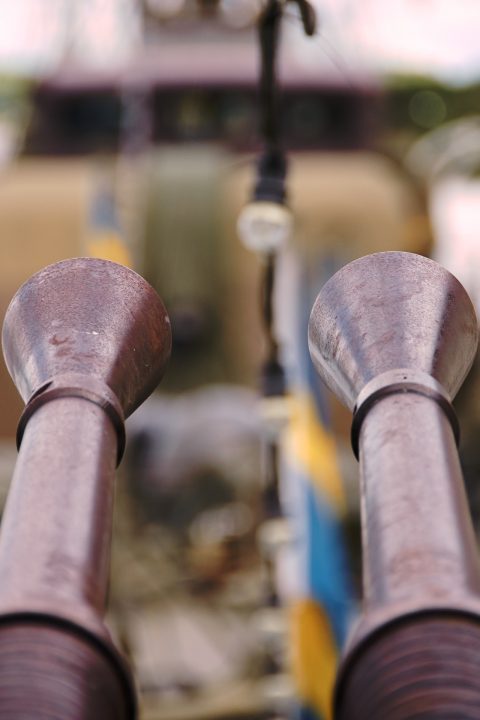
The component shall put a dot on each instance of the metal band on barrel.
(395, 382)
(75, 385)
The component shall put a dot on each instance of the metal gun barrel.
(394, 334)
(55, 541)
(419, 541)
(85, 342)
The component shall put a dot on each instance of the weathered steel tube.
(410, 472)
(393, 335)
(62, 496)
(85, 341)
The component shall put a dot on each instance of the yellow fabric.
(312, 449)
(108, 246)
(314, 656)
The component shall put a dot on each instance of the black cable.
(267, 305)
(269, 32)
(268, 28)
(270, 187)
(271, 168)
(307, 14)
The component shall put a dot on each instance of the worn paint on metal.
(86, 341)
(414, 650)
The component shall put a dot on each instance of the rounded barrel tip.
(90, 317)
(391, 310)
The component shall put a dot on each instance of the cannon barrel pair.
(86, 341)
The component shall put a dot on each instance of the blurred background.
(129, 130)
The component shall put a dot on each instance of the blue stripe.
(306, 713)
(328, 575)
(323, 558)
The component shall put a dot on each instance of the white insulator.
(273, 535)
(275, 412)
(272, 627)
(278, 691)
(265, 227)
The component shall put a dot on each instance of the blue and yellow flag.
(104, 238)
(320, 615)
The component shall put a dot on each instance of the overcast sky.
(431, 36)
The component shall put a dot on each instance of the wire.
(335, 57)
(307, 14)
(268, 28)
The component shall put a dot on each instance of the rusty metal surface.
(419, 542)
(49, 673)
(393, 335)
(397, 382)
(85, 341)
(424, 668)
(391, 310)
(91, 317)
(54, 549)
(86, 387)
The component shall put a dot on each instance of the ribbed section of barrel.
(424, 667)
(47, 673)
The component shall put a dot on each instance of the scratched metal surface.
(379, 314)
(92, 317)
(391, 310)
(102, 328)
